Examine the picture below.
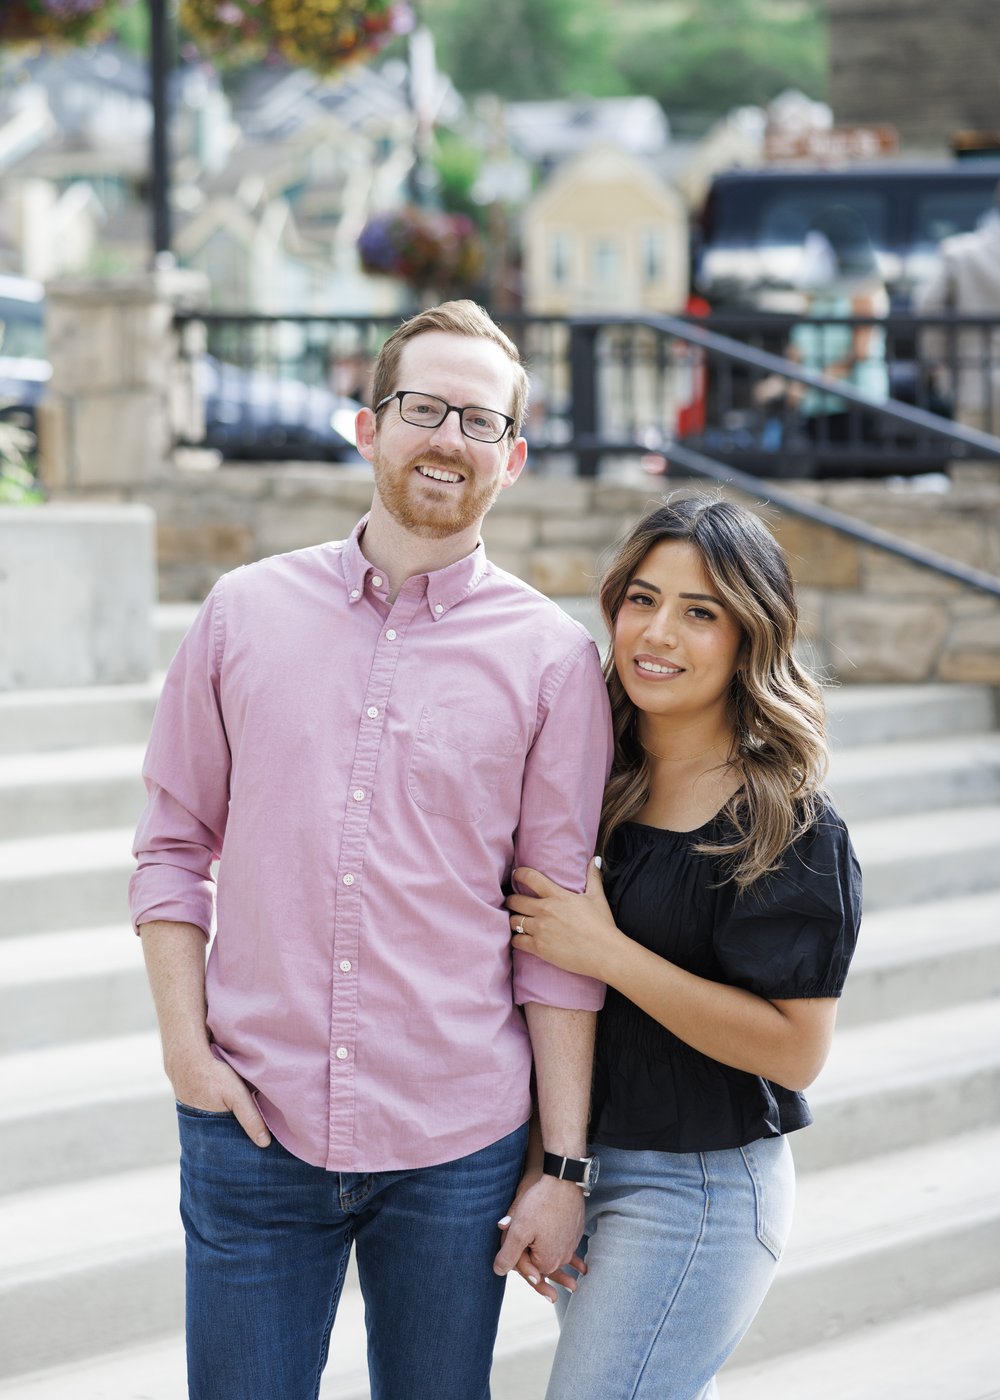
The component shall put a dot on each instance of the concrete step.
(950, 1353)
(919, 957)
(81, 1109)
(917, 1228)
(885, 1084)
(36, 720)
(49, 883)
(56, 882)
(71, 986)
(43, 794)
(157, 1370)
(89, 1267)
(878, 780)
(171, 622)
(907, 859)
(68, 1113)
(873, 1240)
(875, 714)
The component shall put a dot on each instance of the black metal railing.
(605, 386)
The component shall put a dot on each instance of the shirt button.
(376, 580)
(372, 712)
(355, 592)
(345, 966)
(390, 636)
(348, 879)
(438, 607)
(341, 1052)
(358, 794)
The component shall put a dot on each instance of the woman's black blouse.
(789, 935)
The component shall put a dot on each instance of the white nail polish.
(532, 1279)
(504, 1221)
(598, 862)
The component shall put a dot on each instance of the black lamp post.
(159, 146)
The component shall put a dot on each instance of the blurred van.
(748, 241)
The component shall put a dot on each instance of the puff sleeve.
(793, 934)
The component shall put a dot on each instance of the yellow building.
(605, 234)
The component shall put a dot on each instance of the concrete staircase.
(891, 1285)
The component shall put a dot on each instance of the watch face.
(593, 1172)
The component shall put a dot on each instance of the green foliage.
(525, 48)
(18, 483)
(130, 27)
(457, 164)
(726, 53)
(699, 58)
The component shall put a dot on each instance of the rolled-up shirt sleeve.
(564, 777)
(186, 772)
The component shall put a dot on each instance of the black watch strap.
(566, 1168)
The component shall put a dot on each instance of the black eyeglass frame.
(448, 408)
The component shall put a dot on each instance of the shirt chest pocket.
(459, 761)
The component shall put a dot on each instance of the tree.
(524, 49)
(726, 53)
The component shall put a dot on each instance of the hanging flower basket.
(319, 34)
(62, 21)
(423, 248)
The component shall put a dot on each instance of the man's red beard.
(422, 506)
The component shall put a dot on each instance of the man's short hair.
(457, 318)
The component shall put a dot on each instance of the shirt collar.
(444, 587)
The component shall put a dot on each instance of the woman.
(724, 932)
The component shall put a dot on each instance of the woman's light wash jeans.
(681, 1249)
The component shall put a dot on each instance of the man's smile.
(439, 473)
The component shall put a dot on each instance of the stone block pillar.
(77, 587)
(119, 393)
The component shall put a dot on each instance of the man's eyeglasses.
(428, 411)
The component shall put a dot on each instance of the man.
(967, 281)
(372, 734)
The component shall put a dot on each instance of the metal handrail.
(984, 444)
(589, 441)
(966, 441)
(699, 465)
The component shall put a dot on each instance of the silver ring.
(519, 927)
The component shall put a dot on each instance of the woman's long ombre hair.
(776, 709)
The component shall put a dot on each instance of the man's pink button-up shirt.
(368, 775)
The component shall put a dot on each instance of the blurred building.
(605, 233)
(930, 70)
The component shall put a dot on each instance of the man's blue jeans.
(268, 1240)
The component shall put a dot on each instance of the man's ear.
(515, 462)
(365, 428)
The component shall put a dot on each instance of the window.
(559, 259)
(653, 256)
(605, 262)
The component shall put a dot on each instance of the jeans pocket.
(190, 1112)
(769, 1165)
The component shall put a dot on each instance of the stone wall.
(866, 616)
(929, 70)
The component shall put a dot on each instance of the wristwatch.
(582, 1170)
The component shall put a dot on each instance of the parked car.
(254, 416)
(249, 414)
(24, 370)
(747, 241)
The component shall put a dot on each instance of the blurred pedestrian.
(966, 363)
